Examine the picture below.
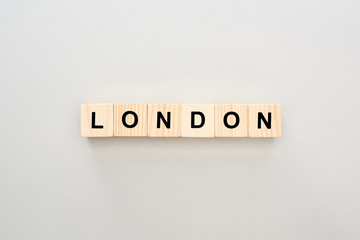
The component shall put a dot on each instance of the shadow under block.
(264, 120)
(231, 120)
(164, 120)
(130, 119)
(197, 120)
(97, 120)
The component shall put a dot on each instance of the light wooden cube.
(130, 119)
(259, 123)
(231, 120)
(191, 120)
(164, 120)
(97, 120)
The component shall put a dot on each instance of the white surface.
(55, 55)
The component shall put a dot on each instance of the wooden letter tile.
(164, 120)
(97, 120)
(197, 120)
(231, 120)
(264, 120)
(130, 119)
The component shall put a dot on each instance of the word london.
(180, 120)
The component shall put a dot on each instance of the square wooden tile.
(197, 120)
(130, 119)
(97, 120)
(164, 120)
(264, 120)
(231, 120)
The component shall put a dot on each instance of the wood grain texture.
(140, 130)
(275, 130)
(175, 120)
(220, 128)
(207, 130)
(103, 117)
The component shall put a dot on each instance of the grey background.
(56, 55)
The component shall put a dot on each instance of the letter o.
(136, 119)
(237, 120)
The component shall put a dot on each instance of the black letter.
(93, 122)
(135, 119)
(267, 123)
(237, 121)
(193, 119)
(160, 116)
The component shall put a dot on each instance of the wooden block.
(164, 120)
(231, 120)
(197, 120)
(264, 120)
(130, 119)
(97, 120)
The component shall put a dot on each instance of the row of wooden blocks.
(180, 120)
